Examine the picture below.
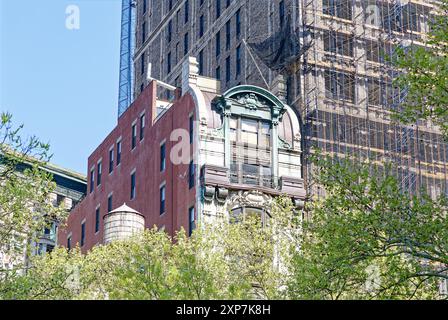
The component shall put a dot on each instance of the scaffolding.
(127, 43)
(347, 90)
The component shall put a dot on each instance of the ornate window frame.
(247, 101)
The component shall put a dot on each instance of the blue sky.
(61, 84)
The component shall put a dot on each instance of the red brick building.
(246, 146)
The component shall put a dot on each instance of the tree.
(366, 239)
(223, 260)
(25, 206)
(425, 74)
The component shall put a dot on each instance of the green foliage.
(365, 239)
(426, 75)
(25, 206)
(368, 240)
(222, 260)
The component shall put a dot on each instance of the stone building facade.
(341, 84)
(167, 32)
(204, 155)
(70, 190)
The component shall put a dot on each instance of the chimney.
(278, 87)
(190, 73)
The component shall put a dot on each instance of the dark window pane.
(118, 153)
(99, 173)
(191, 175)
(111, 160)
(109, 204)
(191, 129)
(162, 199)
(187, 11)
(92, 180)
(191, 220)
(162, 157)
(83, 233)
(134, 136)
(133, 186)
(97, 220)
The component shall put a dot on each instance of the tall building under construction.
(328, 59)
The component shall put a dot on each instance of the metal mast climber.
(127, 44)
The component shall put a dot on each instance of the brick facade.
(144, 160)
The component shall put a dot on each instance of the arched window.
(241, 213)
(250, 161)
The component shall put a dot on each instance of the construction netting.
(344, 87)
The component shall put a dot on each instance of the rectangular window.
(191, 221)
(228, 35)
(134, 136)
(162, 157)
(168, 62)
(162, 199)
(83, 233)
(169, 31)
(191, 175)
(249, 131)
(133, 186)
(238, 23)
(99, 173)
(142, 63)
(170, 5)
(265, 134)
(201, 62)
(111, 160)
(92, 180)
(59, 199)
(374, 92)
(144, 5)
(218, 43)
(142, 126)
(201, 26)
(191, 128)
(341, 8)
(118, 153)
(69, 243)
(187, 9)
(228, 3)
(233, 123)
(339, 86)
(218, 8)
(218, 73)
(281, 10)
(339, 43)
(143, 32)
(238, 60)
(109, 203)
(185, 43)
(97, 220)
(228, 69)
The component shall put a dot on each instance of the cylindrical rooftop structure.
(122, 223)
